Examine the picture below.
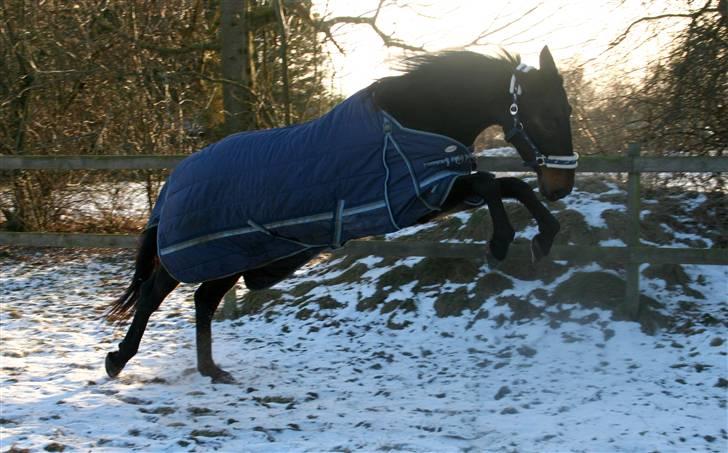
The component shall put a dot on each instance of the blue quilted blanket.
(257, 197)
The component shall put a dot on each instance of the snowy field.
(373, 354)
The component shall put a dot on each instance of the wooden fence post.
(632, 286)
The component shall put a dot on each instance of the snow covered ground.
(373, 354)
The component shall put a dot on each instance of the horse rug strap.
(257, 197)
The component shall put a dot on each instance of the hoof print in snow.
(161, 410)
(197, 411)
(722, 383)
(209, 433)
(502, 392)
(270, 401)
(608, 334)
(155, 380)
(717, 341)
(509, 411)
(134, 400)
(526, 351)
(54, 446)
(268, 435)
(700, 367)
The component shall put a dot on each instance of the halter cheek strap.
(539, 159)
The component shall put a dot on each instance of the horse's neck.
(445, 108)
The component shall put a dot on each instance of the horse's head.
(538, 126)
(460, 93)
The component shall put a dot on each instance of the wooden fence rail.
(587, 164)
(631, 255)
(519, 252)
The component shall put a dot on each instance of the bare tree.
(236, 65)
(682, 107)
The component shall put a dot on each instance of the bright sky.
(574, 30)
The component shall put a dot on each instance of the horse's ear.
(546, 61)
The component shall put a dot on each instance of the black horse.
(454, 95)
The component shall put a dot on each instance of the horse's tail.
(124, 307)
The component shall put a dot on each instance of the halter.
(539, 159)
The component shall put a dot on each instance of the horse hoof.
(224, 378)
(112, 369)
(218, 375)
(498, 250)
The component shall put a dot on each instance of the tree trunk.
(237, 99)
(283, 49)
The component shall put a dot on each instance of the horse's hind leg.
(548, 225)
(207, 298)
(277, 271)
(153, 292)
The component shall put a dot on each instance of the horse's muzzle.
(556, 194)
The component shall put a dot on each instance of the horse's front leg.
(548, 225)
(486, 186)
(207, 298)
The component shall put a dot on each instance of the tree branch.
(486, 33)
(705, 9)
(325, 26)
(195, 47)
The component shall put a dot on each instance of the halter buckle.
(514, 109)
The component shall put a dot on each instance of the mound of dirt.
(674, 278)
(606, 291)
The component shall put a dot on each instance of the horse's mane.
(452, 58)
